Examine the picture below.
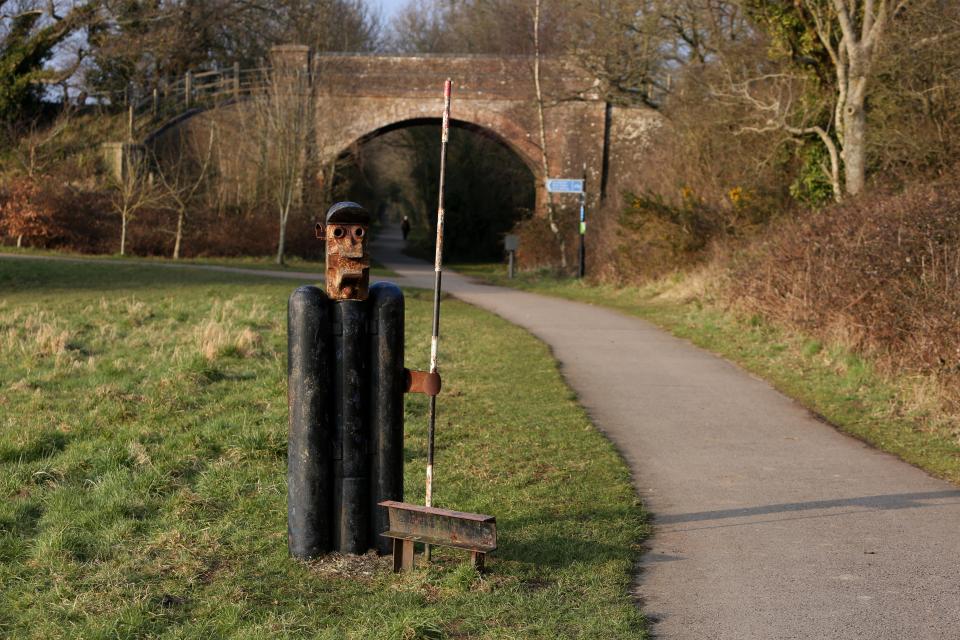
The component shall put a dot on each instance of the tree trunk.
(551, 212)
(176, 242)
(854, 146)
(283, 238)
(861, 26)
(20, 241)
(833, 152)
(123, 234)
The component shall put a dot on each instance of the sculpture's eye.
(358, 232)
(338, 232)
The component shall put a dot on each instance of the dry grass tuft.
(138, 454)
(21, 385)
(36, 334)
(213, 340)
(229, 329)
(248, 342)
(50, 341)
(700, 283)
(137, 312)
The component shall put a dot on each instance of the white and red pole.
(437, 269)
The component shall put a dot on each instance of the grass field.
(292, 263)
(142, 473)
(891, 413)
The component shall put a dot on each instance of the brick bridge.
(357, 97)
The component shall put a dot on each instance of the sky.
(388, 7)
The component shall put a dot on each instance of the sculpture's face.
(348, 264)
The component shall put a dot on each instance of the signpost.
(564, 185)
(570, 185)
(511, 243)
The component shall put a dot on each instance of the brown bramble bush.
(25, 212)
(881, 274)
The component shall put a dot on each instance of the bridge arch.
(358, 96)
(356, 122)
(491, 184)
(525, 150)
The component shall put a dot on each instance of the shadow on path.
(880, 502)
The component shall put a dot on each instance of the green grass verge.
(890, 413)
(260, 263)
(266, 263)
(246, 262)
(142, 473)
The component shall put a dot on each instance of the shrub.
(879, 273)
(49, 213)
(539, 248)
(25, 213)
(42, 212)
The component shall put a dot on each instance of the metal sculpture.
(348, 263)
(346, 382)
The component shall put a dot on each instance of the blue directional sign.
(563, 185)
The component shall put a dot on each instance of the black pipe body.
(352, 440)
(387, 385)
(346, 391)
(309, 459)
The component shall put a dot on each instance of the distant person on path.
(405, 227)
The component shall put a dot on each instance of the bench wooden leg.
(402, 555)
(397, 555)
(476, 559)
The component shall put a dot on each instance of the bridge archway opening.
(394, 172)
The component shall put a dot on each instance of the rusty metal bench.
(410, 523)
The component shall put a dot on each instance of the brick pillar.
(290, 59)
(123, 157)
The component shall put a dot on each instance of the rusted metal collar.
(422, 382)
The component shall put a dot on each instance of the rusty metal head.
(348, 263)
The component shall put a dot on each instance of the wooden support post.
(397, 555)
(402, 555)
(476, 559)
(187, 88)
(236, 80)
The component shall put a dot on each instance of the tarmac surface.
(769, 523)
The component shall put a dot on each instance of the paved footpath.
(769, 524)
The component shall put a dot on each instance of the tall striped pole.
(437, 268)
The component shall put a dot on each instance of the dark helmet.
(347, 213)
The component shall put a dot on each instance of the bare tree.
(420, 27)
(777, 104)
(850, 35)
(623, 43)
(182, 183)
(861, 25)
(133, 190)
(283, 121)
(36, 138)
(478, 26)
(551, 210)
(914, 114)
